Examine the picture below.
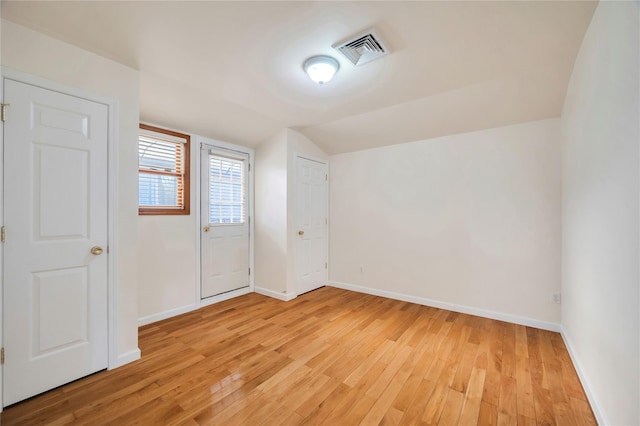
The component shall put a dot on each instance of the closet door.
(55, 254)
(312, 224)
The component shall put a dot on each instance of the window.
(163, 172)
(226, 190)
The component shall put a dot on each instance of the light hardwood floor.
(328, 357)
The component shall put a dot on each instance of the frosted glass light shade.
(321, 69)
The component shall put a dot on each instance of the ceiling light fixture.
(321, 69)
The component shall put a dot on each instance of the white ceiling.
(233, 70)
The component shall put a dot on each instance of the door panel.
(60, 214)
(60, 309)
(311, 219)
(225, 225)
(55, 209)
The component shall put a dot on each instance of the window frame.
(185, 209)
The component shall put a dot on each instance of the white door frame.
(293, 230)
(221, 146)
(112, 182)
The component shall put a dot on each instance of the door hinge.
(3, 111)
(3, 234)
(2, 356)
(326, 177)
(249, 166)
(325, 265)
(249, 271)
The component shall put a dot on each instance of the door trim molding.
(231, 148)
(113, 359)
(321, 160)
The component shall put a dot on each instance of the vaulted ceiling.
(233, 70)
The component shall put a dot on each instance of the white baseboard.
(192, 307)
(529, 322)
(584, 380)
(166, 314)
(276, 295)
(126, 358)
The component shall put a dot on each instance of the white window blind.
(226, 190)
(161, 172)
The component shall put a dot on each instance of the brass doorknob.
(301, 233)
(206, 229)
(96, 250)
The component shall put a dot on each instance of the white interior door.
(311, 219)
(225, 222)
(55, 210)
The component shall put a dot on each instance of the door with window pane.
(224, 219)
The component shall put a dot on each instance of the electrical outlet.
(556, 298)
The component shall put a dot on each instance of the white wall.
(600, 311)
(36, 54)
(167, 258)
(471, 220)
(169, 248)
(167, 266)
(271, 214)
(275, 221)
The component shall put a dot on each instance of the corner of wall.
(298, 143)
(271, 214)
(600, 210)
(274, 225)
(584, 379)
(285, 296)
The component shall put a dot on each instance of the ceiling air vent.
(363, 48)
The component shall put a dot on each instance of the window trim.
(186, 177)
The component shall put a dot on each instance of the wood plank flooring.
(328, 357)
